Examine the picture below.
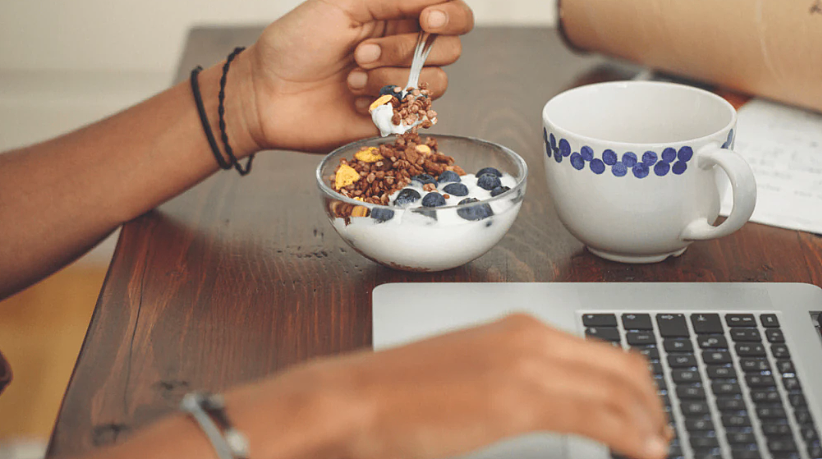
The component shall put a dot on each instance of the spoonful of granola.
(399, 110)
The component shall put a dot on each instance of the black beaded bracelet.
(212, 142)
(221, 110)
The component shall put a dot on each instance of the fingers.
(600, 378)
(628, 369)
(611, 428)
(367, 83)
(452, 18)
(437, 16)
(398, 51)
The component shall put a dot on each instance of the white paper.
(783, 145)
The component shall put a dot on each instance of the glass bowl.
(426, 239)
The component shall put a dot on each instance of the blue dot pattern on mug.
(729, 143)
(669, 160)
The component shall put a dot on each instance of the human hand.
(314, 72)
(452, 394)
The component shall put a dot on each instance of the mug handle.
(744, 193)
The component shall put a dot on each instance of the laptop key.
(765, 396)
(650, 352)
(699, 425)
(777, 430)
(690, 392)
(815, 451)
(707, 454)
(760, 381)
(770, 412)
(779, 446)
(637, 322)
(706, 323)
(750, 350)
(725, 388)
(603, 333)
(809, 434)
(691, 409)
(677, 345)
(713, 357)
(785, 366)
(803, 416)
(599, 320)
(712, 342)
(741, 438)
(685, 376)
(780, 351)
(745, 454)
(681, 360)
(655, 367)
(736, 420)
(746, 335)
(725, 404)
(769, 320)
(786, 455)
(672, 325)
(721, 372)
(752, 364)
(774, 335)
(740, 320)
(791, 384)
(640, 338)
(699, 442)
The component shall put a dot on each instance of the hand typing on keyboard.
(458, 392)
(729, 387)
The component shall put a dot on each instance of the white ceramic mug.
(631, 167)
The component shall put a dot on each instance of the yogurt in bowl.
(429, 223)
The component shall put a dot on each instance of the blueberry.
(489, 170)
(474, 212)
(488, 181)
(382, 215)
(424, 179)
(389, 89)
(449, 176)
(433, 199)
(499, 190)
(406, 196)
(456, 189)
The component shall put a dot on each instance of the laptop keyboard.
(727, 381)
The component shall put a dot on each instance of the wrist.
(240, 107)
(304, 413)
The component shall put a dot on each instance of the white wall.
(147, 35)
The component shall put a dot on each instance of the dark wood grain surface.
(241, 277)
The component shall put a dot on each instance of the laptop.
(739, 366)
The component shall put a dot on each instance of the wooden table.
(242, 277)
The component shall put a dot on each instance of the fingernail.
(357, 79)
(368, 53)
(656, 448)
(436, 19)
(362, 103)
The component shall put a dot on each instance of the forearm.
(60, 197)
(294, 416)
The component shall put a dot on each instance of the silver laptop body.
(783, 316)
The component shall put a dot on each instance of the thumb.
(449, 16)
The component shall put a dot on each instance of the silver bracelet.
(209, 412)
